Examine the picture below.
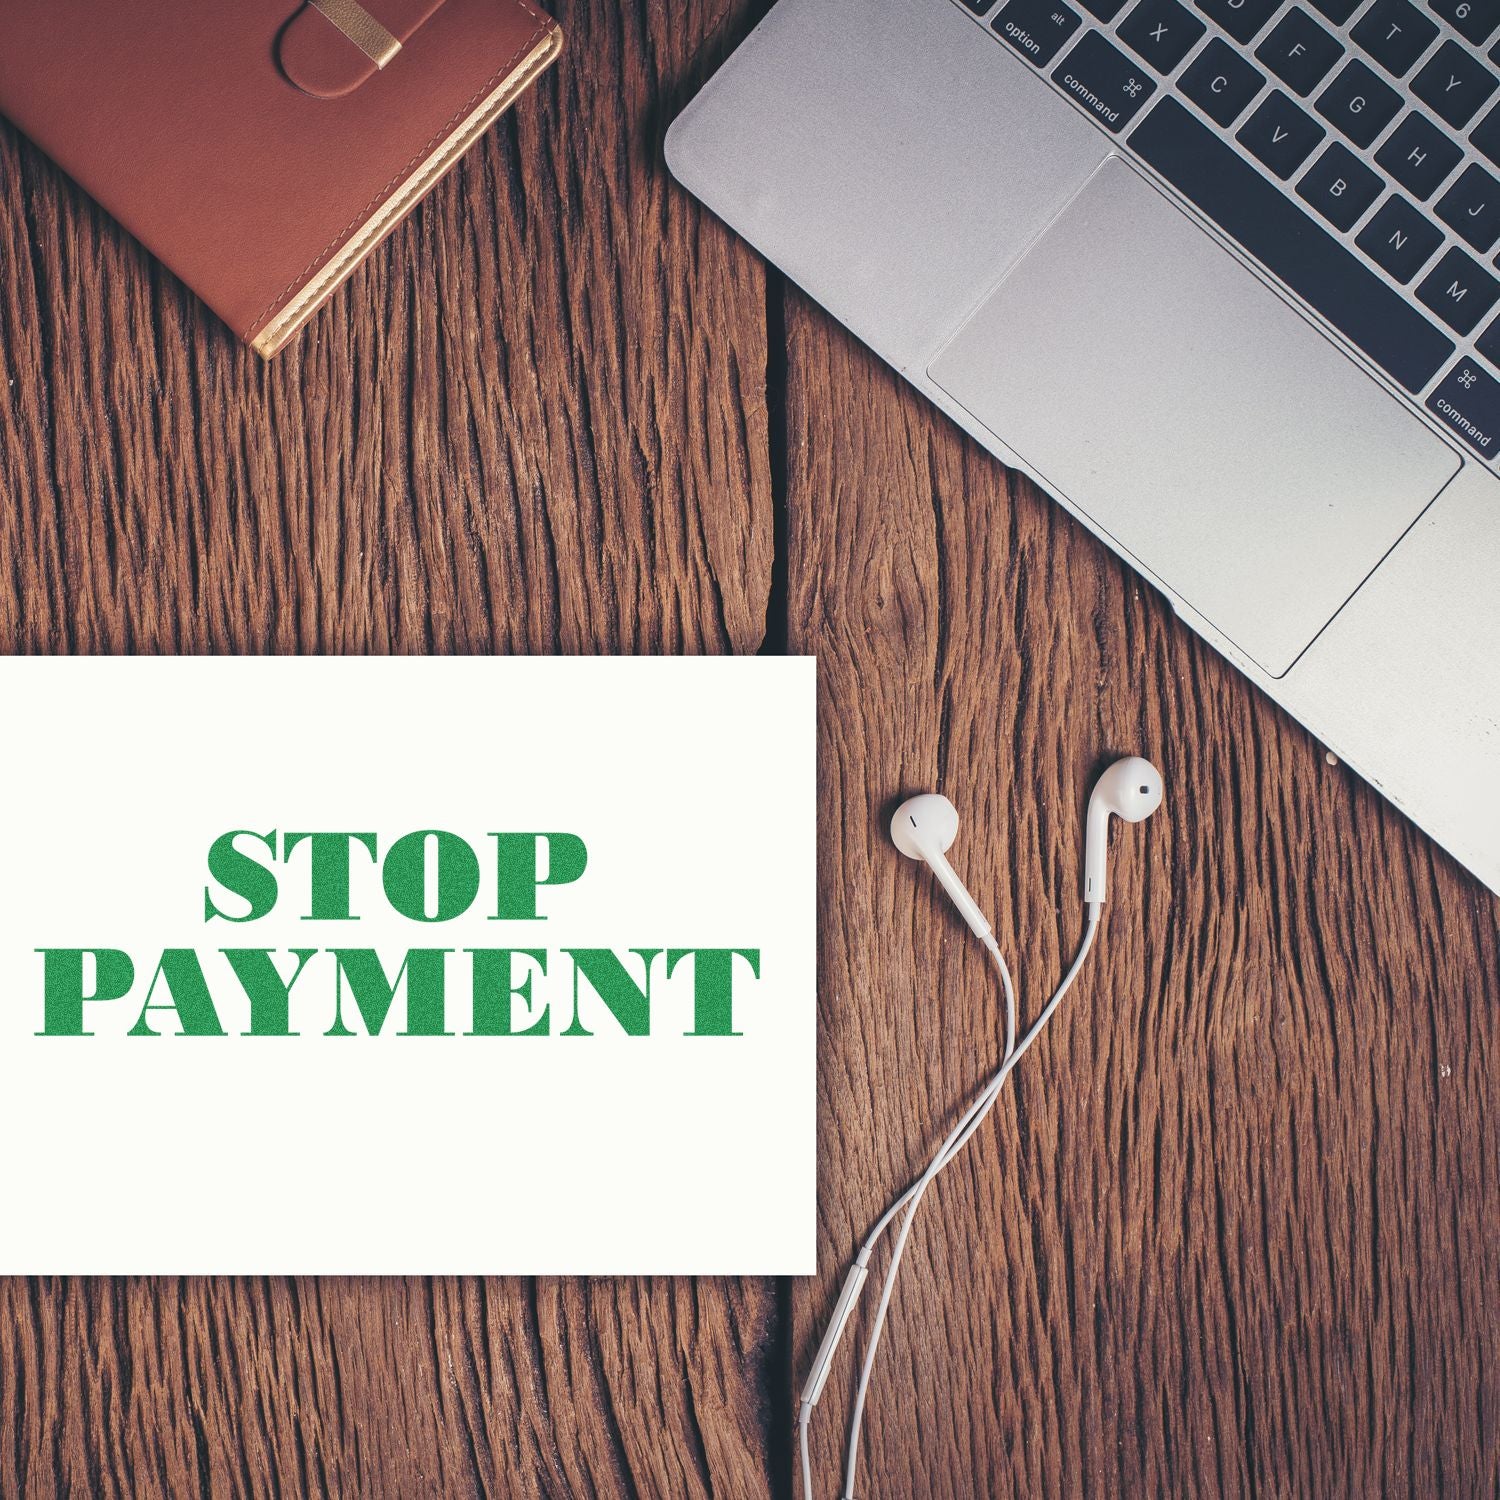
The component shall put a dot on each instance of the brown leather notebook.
(263, 148)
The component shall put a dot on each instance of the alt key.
(1036, 28)
(1468, 400)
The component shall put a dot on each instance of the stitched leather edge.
(262, 331)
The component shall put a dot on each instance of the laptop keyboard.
(1352, 147)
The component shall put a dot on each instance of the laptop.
(1220, 276)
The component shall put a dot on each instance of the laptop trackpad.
(1208, 428)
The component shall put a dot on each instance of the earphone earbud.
(1129, 789)
(924, 827)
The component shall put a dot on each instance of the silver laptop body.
(1213, 351)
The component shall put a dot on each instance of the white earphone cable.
(803, 1418)
(957, 1138)
(826, 1355)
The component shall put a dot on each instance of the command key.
(1468, 400)
(1104, 81)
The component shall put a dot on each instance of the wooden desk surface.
(1235, 1230)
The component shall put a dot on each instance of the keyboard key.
(1394, 34)
(1488, 343)
(1104, 81)
(1418, 155)
(1290, 244)
(1037, 29)
(1459, 291)
(1162, 32)
(1468, 400)
(1340, 186)
(1359, 103)
(1337, 11)
(1399, 239)
(1454, 83)
(1280, 135)
(1220, 82)
(1104, 10)
(1473, 20)
(1240, 18)
(1486, 137)
(1471, 208)
(1299, 52)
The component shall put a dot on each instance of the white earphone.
(924, 827)
(1130, 789)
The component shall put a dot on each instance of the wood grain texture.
(478, 447)
(1233, 1231)
(534, 421)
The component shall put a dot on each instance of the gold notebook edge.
(311, 296)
